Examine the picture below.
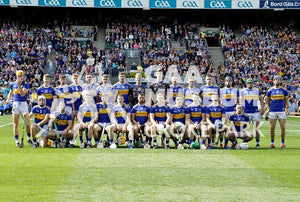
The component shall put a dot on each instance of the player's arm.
(262, 110)
(187, 119)
(133, 119)
(168, 118)
(171, 119)
(45, 120)
(231, 126)
(152, 119)
(8, 97)
(209, 121)
(203, 118)
(23, 90)
(268, 99)
(127, 120)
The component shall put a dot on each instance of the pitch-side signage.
(190, 4)
(162, 4)
(217, 4)
(56, 3)
(135, 3)
(80, 3)
(280, 4)
(245, 4)
(108, 3)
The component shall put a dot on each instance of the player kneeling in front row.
(61, 126)
(159, 116)
(215, 117)
(121, 119)
(239, 125)
(179, 121)
(86, 117)
(197, 121)
(104, 122)
(41, 115)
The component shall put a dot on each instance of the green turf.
(151, 175)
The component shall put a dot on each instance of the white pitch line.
(6, 125)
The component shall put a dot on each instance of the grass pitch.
(151, 175)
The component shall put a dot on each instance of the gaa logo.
(245, 4)
(79, 3)
(134, 3)
(107, 3)
(189, 4)
(24, 2)
(51, 3)
(217, 4)
(162, 4)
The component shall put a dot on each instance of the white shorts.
(44, 130)
(20, 108)
(228, 114)
(103, 124)
(254, 116)
(277, 115)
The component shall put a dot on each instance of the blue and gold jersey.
(62, 121)
(196, 113)
(179, 114)
(239, 121)
(48, 92)
(188, 93)
(215, 112)
(121, 113)
(108, 91)
(104, 112)
(229, 98)
(277, 96)
(88, 112)
(206, 92)
(16, 92)
(40, 113)
(160, 113)
(141, 113)
(175, 90)
(123, 89)
(76, 93)
(250, 99)
(64, 93)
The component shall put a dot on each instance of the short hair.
(75, 75)
(62, 76)
(121, 74)
(138, 74)
(46, 75)
(208, 75)
(88, 74)
(105, 76)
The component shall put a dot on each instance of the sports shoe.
(257, 146)
(88, 146)
(34, 146)
(81, 145)
(30, 142)
(221, 145)
(162, 144)
(282, 146)
(130, 146)
(155, 146)
(180, 147)
(100, 145)
(209, 146)
(272, 146)
(60, 145)
(54, 145)
(17, 144)
(233, 146)
(167, 146)
(226, 147)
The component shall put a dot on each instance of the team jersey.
(160, 113)
(206, 92)
(62, 120)
(215, 112)
(141, 113)
(64, 93)
(91, 88)
(188, 93)
(88, 112)
(160, 87)
(175, 90)
(123, 89)
(239, 121)
(196, 113)
(229, 98)
(76, 93)
(250, 99)
(106, 91)
(40, 113)
(48, 92)
(104, 111)
(179, 114)
(134, 91)
(277, 96)
(16, 92)
(121, 113)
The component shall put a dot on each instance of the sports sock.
(272, 141)
(80, 139)
(221, 140)
(282, 141)
(111, 140)
(154, 142)
(17, 138)
(28, 136)
(129, 142)
(89, 140)
(257, 141)
(226, 141)
(190, 141)
(209, 141)
(34, 140)
(96, 140)
(167, 142)
(203, 142)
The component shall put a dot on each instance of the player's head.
(249, 83)
(46, 79)
(141, 98)
(105, 79)
(88, 99)
(239, 109)
(160, 99)
(196, 98)
(228, 81)
(159, 75)
(215, 98)
(88, 78)
(178, 101)
(277, 80)
(61, 107)
(42, 100)
(138, 77)
(62, 79)
(191, 82)
(75, 78)
(174, 80)
(122, 77)
(20, 74)
(104, 99)
(208, 79)
(120, 99)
